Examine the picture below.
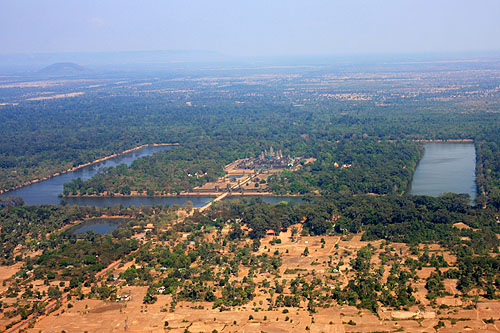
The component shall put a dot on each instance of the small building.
(123, 298)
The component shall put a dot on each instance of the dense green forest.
(374, 132)
(30, 226)
(372, 166)
(200, 268)
(216, 126)
(328, 135)
(409, 219)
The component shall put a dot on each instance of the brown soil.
(326, 254)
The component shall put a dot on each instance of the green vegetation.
(409, 219)
(214, 130)
(365, 150)
(370, 166)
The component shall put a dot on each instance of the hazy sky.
(253, 27)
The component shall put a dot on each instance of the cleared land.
(329, 257)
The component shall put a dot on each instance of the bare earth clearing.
(134, 316)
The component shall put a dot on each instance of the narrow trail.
(346, 281)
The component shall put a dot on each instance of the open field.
(43, 98)
(357, 253)
(324, 253)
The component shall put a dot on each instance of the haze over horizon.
(258, 28)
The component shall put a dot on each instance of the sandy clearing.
(42, 98)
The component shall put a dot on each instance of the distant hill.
(31, 63)
(63, 69)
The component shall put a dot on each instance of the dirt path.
(346, 281)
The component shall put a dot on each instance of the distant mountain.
(30, 63)
(63, 69)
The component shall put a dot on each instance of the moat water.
(47, 192)
(446, 167)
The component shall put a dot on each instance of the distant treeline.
(408, 219)
(44, 137)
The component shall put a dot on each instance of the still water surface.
(98, 226)
(446, 167)
(269, 199)
(46, 192)
(198, 201)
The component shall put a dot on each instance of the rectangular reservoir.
(446, 167)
